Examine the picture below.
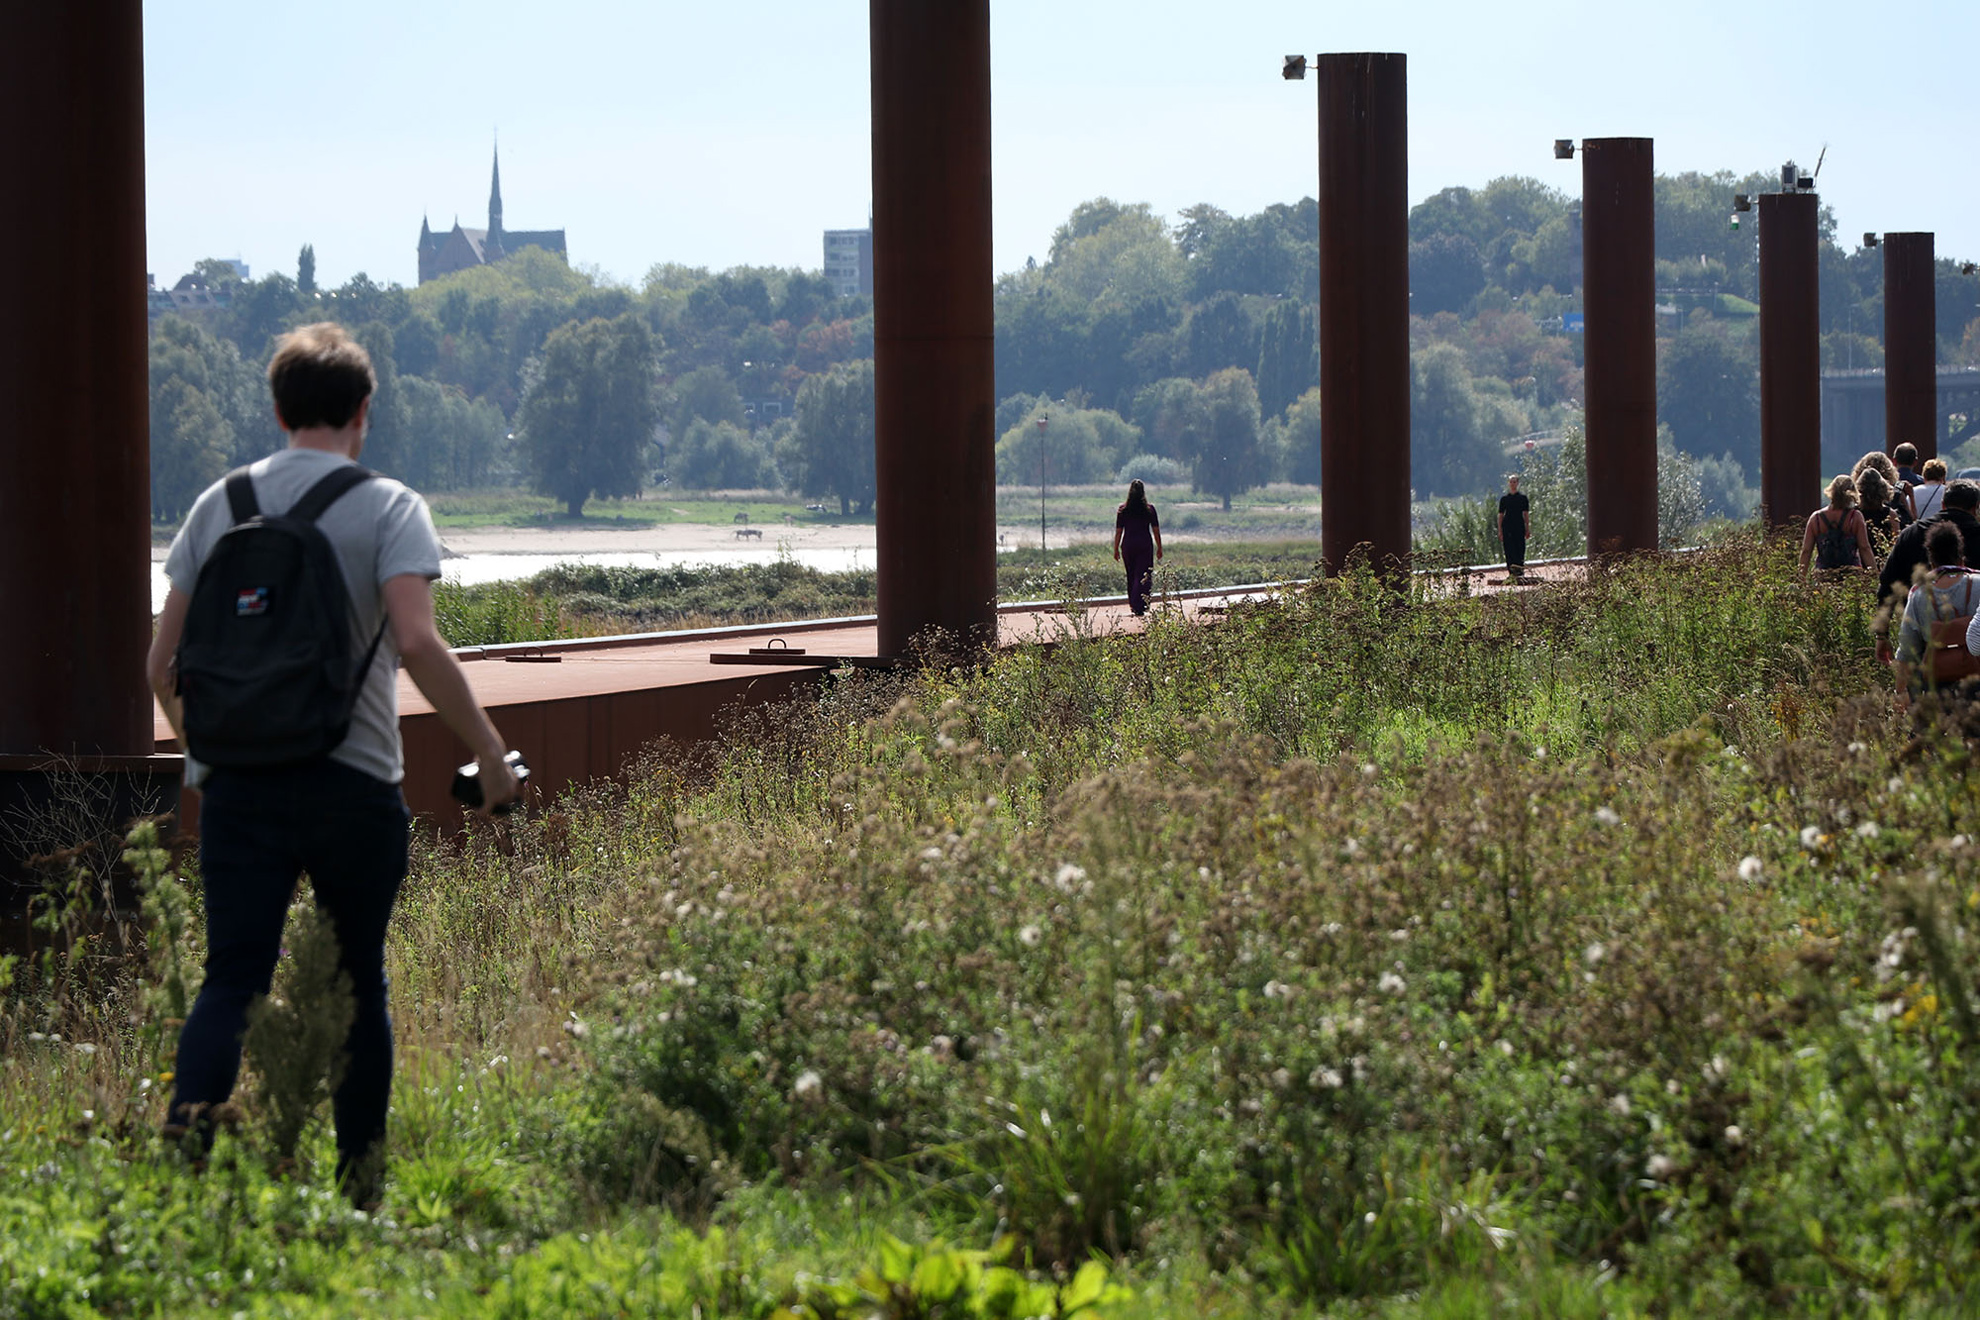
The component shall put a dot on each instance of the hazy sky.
(729, 132)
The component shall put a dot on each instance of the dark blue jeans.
(258, 832)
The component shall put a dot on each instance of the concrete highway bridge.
(1853, 413)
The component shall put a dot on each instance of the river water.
(474, 570)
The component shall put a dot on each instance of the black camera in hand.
(467, 784)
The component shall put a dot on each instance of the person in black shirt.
(1515, 523)
(1138, 535)
(1908, 555)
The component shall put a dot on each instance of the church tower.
(492, 246)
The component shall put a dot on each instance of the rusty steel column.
(75, 505)
(1619, 296)
(1364, 308)
(1790, 359)
(933, 324)
(1911, 345)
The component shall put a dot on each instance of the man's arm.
(161, 662)
(409, 608)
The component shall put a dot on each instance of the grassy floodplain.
(1604, 950)
(576, 600)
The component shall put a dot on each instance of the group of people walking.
(1919, 532)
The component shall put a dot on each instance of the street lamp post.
(1042, 419)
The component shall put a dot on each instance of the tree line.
(1179, 350)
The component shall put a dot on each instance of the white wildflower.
(1749, 869)
(931, 854)
(1069, 877)
(1594, 953)
(1399, 935)
(1957, 841)
(1328, 1079)
(1893, 784)
(1391, 984)
(1278, 990)
(83, 1047)
(1734, 1137)
(576, 1027)
(1620, 1104)
(1029, 936)
(1368, 767)
(1660, 1166)
(808, 1084)
(1868, 830)
(1857, 749)
(1811, 836)
(1506, 1048)
(1281, 1078)
(1540, 752)
(1607, 816)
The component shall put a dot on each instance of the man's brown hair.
(319, 375)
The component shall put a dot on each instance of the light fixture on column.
(1294, 69)
(1741, 204)
(1869, 240)
(1563, 148)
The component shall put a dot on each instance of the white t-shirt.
(380, 531)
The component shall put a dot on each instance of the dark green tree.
(1300, 439)
(834, 437)
(190, 444)
(720, 456)
(1220, 334)
(1227, 456)
(1445, 273)
(589, 414)
(1288, 357)
(306, 270)
(186, 350)
(1447, 455)
(705, 394)
(261, 310)
(1708, 392)
(1168, 413)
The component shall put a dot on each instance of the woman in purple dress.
(1138, 536)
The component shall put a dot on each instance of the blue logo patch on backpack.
(265, 686)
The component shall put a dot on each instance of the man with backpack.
(299, 585)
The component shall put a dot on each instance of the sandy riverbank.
(686, 538)
(689, 538)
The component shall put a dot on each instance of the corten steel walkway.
(579, 709)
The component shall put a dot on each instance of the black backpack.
(1835, 546)
(264, 665)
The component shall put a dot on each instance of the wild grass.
(1602, 950)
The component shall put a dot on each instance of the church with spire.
(446, 251)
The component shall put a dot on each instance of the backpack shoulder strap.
(328, 490)
(240, 496)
